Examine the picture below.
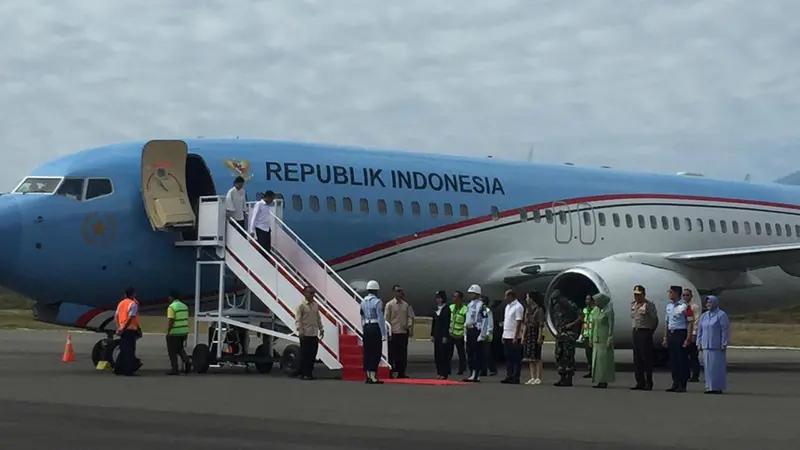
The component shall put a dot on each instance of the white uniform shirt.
(235, 203)
(514, 312)
(261, 216)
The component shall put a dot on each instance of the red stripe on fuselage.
(572, 201)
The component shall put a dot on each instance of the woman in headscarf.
(533, 336)
(603, 365)
(712, 339)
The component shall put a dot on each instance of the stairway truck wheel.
(99, 352)
(290, 361)
(201, 358)
(262, 351)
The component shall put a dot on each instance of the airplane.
(78, 229)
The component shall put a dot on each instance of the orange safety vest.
(122, 314)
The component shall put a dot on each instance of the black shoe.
(648, 387)
(460, 372)
(672, 389)
(638, 388)
(173, 372)
(601, 386)
(694, 380)
(588, 375)
(493, 373)
(187, 366)
(403, 377)
(568, 381)
(561, 381)
(505, 381)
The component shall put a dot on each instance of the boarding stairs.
(277, 278)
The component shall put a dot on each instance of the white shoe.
(529, 381)
(537, 381)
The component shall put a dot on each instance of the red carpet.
(423, 381)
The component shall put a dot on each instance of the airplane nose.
(10, 231)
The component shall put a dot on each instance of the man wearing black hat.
(440, 333)
(644, 319)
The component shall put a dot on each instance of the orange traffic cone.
(68, 354)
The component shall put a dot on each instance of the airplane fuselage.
(427, 222)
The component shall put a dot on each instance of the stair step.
(348, 339)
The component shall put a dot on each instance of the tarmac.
(47, 404)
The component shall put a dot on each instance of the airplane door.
(587, 225)
(164, 193)
(278, 206)
(563, 222)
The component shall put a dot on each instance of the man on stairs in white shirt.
(261, 220)
(236, 202)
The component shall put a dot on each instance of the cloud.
(690, 85)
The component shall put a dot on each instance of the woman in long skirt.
(712, 339)
(533, 336)
(603, 364)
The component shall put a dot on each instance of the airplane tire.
(99, 352)
(290, 361)
(265, 367)
(201, 358)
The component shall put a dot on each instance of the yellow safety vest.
(457, 320)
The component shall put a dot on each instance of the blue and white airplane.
(77, 230)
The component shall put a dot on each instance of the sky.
(687, 85)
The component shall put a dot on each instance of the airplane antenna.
(747, 177)
(530, 153)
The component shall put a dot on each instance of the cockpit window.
(98, 187)
(72, 188)
(38, 185)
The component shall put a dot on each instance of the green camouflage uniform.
(564, 314)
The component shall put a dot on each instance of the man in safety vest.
(177, 332)
(586, 333)
(127, 318)
(458, 315)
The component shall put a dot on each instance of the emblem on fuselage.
(238, 167)
(98, 229)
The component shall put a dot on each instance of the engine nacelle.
(617, 279)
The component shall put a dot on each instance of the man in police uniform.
(677, 335)
(566, 320)
(177, 332)
(374, 327)
(644, 320)
(477, 327)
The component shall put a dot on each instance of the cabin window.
(676, 223)
(313, 203)
(523, 216)
(364, 205)
(629, 220)
(537, 216)
(71, 188)
(653, 222)
(297, 202)
(664, 222)
(747, 228)
(797, 230)
(38, 185)
(768, 228)
(463, 210)
(495, 213)
(382, 206)
(615, 219)
(642, 224)
(712, 226)
(347, 204)
(758, 228)
(448, 210)
(699, 224)
(788, 230)
(562, 217)
(548, 214)
(601, 219)
(735, 227)
(688, 223)
(415, 209)
(398, 207)
(778, 229)
(587, 218)
(330, 203)
(98, 187)
(433, 208)
(723, 226)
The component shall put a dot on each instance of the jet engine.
(617, 279)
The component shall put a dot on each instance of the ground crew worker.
(566, 321)
(308, 324)
(399, 315)
(677, 335)
(491, 365)
(586, 333)
(177, 332)
(127, 318)
(692, 350)
(374, 326)
(644, 319)
(476, 327)
(458, 315)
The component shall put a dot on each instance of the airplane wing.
(740, 258)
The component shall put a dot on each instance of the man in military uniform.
(566, 320)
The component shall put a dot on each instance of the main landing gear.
(100, 349)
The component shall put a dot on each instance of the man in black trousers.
(512, 337)
(644, 318)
